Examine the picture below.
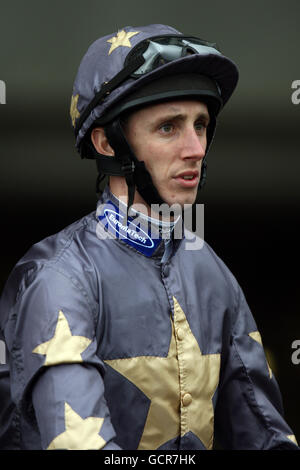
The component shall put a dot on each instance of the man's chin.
(182, 200)
(172, 207)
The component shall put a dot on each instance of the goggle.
(147, 56)
(160, 50)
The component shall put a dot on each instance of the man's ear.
(100, 142)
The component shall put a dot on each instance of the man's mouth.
(188, 179)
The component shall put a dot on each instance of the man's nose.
(193, 145)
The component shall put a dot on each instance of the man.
(119, 337)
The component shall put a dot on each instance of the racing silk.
(118, 339)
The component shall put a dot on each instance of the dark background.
(252, 197)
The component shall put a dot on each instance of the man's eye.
(199, 126)
(166, 128)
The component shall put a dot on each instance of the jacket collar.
(139, 232)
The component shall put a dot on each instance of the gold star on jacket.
(80, 434)
(257, 337)
(63, 347)
(180, 387)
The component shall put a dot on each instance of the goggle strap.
(107, 88)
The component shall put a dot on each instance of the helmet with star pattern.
(137, 66)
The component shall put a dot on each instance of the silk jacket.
(117, 339)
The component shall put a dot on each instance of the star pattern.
(257, 337)
(62, 347)
(74, 113)
(292, 438)
(79, 434)
(122, 39)
(199, 376)
(180, 387)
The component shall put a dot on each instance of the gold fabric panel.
(157, 377)
(121, 39)
(180, 387)
(257, 337)
(74, 113)
(199, 378)
(292, 438)
(62, 347)
(80, 434)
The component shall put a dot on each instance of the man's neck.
(118, 188)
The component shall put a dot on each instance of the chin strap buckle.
(128, 168)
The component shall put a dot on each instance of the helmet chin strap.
(126, 164)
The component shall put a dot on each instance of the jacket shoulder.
(64, 252)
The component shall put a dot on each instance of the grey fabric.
(122, 301)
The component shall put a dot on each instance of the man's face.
(171, 139)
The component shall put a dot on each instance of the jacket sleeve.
(56, 375)
(249, 412)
